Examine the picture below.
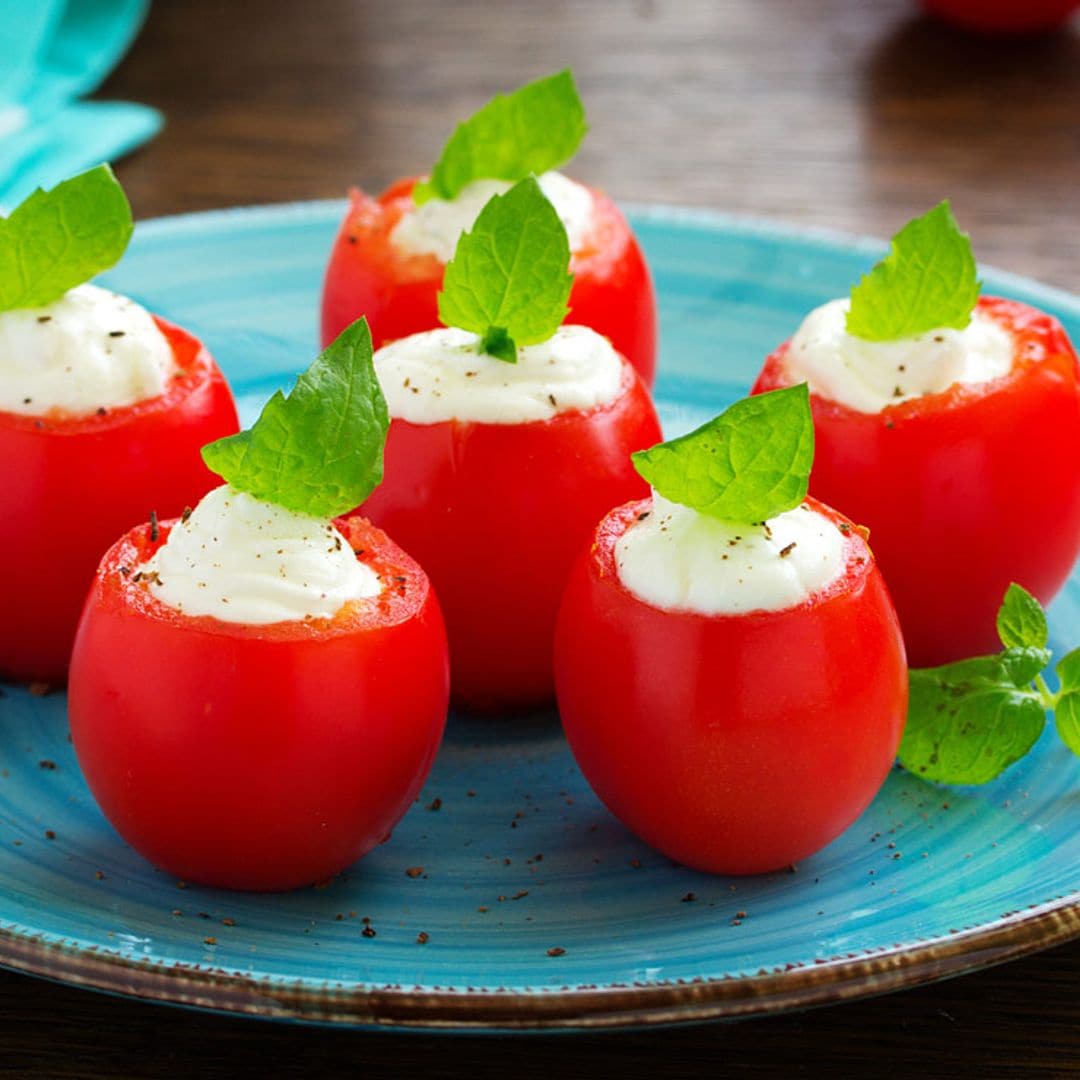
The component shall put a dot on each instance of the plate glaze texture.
(508, 898)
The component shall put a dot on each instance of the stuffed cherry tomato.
(967, 486)
(495, 484)
(257, 756)
(103, 409)
(734, 691)
(77, 478)
(395, 285)
(257, 691)
(1003, 16)
(389, 257)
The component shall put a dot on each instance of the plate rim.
(584, 1008)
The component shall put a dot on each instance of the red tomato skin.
(367, 275)
(1003, 16)
(106, 473)
(963, 491)
(734, 744)
(262, 758)
(496, 514)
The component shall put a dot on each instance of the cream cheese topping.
(91, 349)
(869, 375)
(680, 560)
(243, 560)
(435, 227)
(441, 375)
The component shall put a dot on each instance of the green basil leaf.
(969, 721)
(926, 282)
(1021, 620)
(536, 128)
(749, 464)
(319, 450)
(55, 240)
(509, 279)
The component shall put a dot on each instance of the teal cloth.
(56, 51)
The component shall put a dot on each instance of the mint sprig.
(536, 128)
(509, 279)
(749, 464)
(969, 721)
(319, 450)
(55, 240)
(926, 282)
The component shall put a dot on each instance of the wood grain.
(848, 114)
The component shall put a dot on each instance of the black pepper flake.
(45, 763)
(116, 333)
(27, 401)
(154, 532)
(422, 938)
(554, 403)
(786, 551)
(102, 411)
(228, 922)
(435, 804)
(471, 794)
(844, 527)
(414, 871)
(689, 898)
(44, 318)
(50, 834)
(185, 515)
(352, 239)
(643, 515)
(99, 874)
(556, 951)
(520, 894)
(368, 931)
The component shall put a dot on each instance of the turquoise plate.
(539, 909)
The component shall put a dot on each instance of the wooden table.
(850, 114)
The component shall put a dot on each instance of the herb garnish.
(536, 128)
(749, 464)
(509, 279)
(970, 720)
(926, 282)
(319, 450)
(55, 240)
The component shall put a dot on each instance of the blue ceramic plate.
(519, 858)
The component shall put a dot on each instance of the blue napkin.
(55, 51)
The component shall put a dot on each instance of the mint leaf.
(318, 451)
(749, 464)
(55, 240)
(508, 280)
(531, 130)
(926, 282)
(1021, 620)
(968, 722)
(1067, 711)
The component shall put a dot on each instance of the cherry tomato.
(257, 757)
(496, 514)
(731, 743)
(367, 275)
(72, 485)
(964, 491)
(1003, 16)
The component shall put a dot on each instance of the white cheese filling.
(441, 375)
(679, 560)
(869, 375)
(89, 350)
(435, 227)
(247, 561)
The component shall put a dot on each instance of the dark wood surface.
(850, 114)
